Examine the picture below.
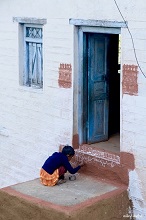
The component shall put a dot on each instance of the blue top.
(57, 160)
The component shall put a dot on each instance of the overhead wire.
(131, 38)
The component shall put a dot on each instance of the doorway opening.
(101, 90)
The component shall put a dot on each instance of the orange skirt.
(49, 179)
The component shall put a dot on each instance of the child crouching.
(54, 168)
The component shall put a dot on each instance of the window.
(33, 56)
(30, 51)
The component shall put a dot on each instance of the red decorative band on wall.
(65, 75)
(129, 83)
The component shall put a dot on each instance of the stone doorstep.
(105, 164)
(99, 199)
(102, 164)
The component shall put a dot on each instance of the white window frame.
(23, 23)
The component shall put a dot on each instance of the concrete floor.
(112, 144)
(85, 198)
(66, 194)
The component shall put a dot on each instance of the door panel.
(98, 95)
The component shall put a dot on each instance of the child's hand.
(81, 164)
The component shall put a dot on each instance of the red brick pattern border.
(129, 84)
(65, 75)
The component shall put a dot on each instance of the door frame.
(81, 27)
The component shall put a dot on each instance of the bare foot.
(61, 181)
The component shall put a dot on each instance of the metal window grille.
(33, 32)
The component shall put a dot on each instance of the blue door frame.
(85, 113)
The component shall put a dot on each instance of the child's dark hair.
(68, 150)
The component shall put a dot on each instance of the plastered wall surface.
(133, 108)
(35, 123)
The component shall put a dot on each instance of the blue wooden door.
(98, 88)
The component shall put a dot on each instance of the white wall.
(34, 123)
(133, 108)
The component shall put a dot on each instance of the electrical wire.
(131, 38)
